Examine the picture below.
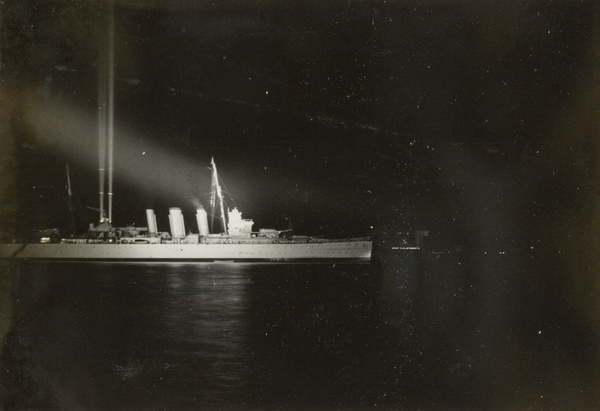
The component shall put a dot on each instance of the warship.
(236, 240)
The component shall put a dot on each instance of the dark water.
(415, 330)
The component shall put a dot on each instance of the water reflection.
(144, 333)
(202, 335)
(414, 330)
(186, 335)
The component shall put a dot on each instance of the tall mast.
(70, 194)
(217, 195)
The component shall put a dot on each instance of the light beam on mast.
(217, 195)
(101, 128)
(106, 79)
(111, 87)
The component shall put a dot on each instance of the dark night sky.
(431, 115)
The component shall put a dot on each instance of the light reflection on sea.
(177, 335)
(412, 330)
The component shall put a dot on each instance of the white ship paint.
(323, 250)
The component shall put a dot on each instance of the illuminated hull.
(322, 250)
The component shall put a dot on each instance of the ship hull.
(338, 250)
